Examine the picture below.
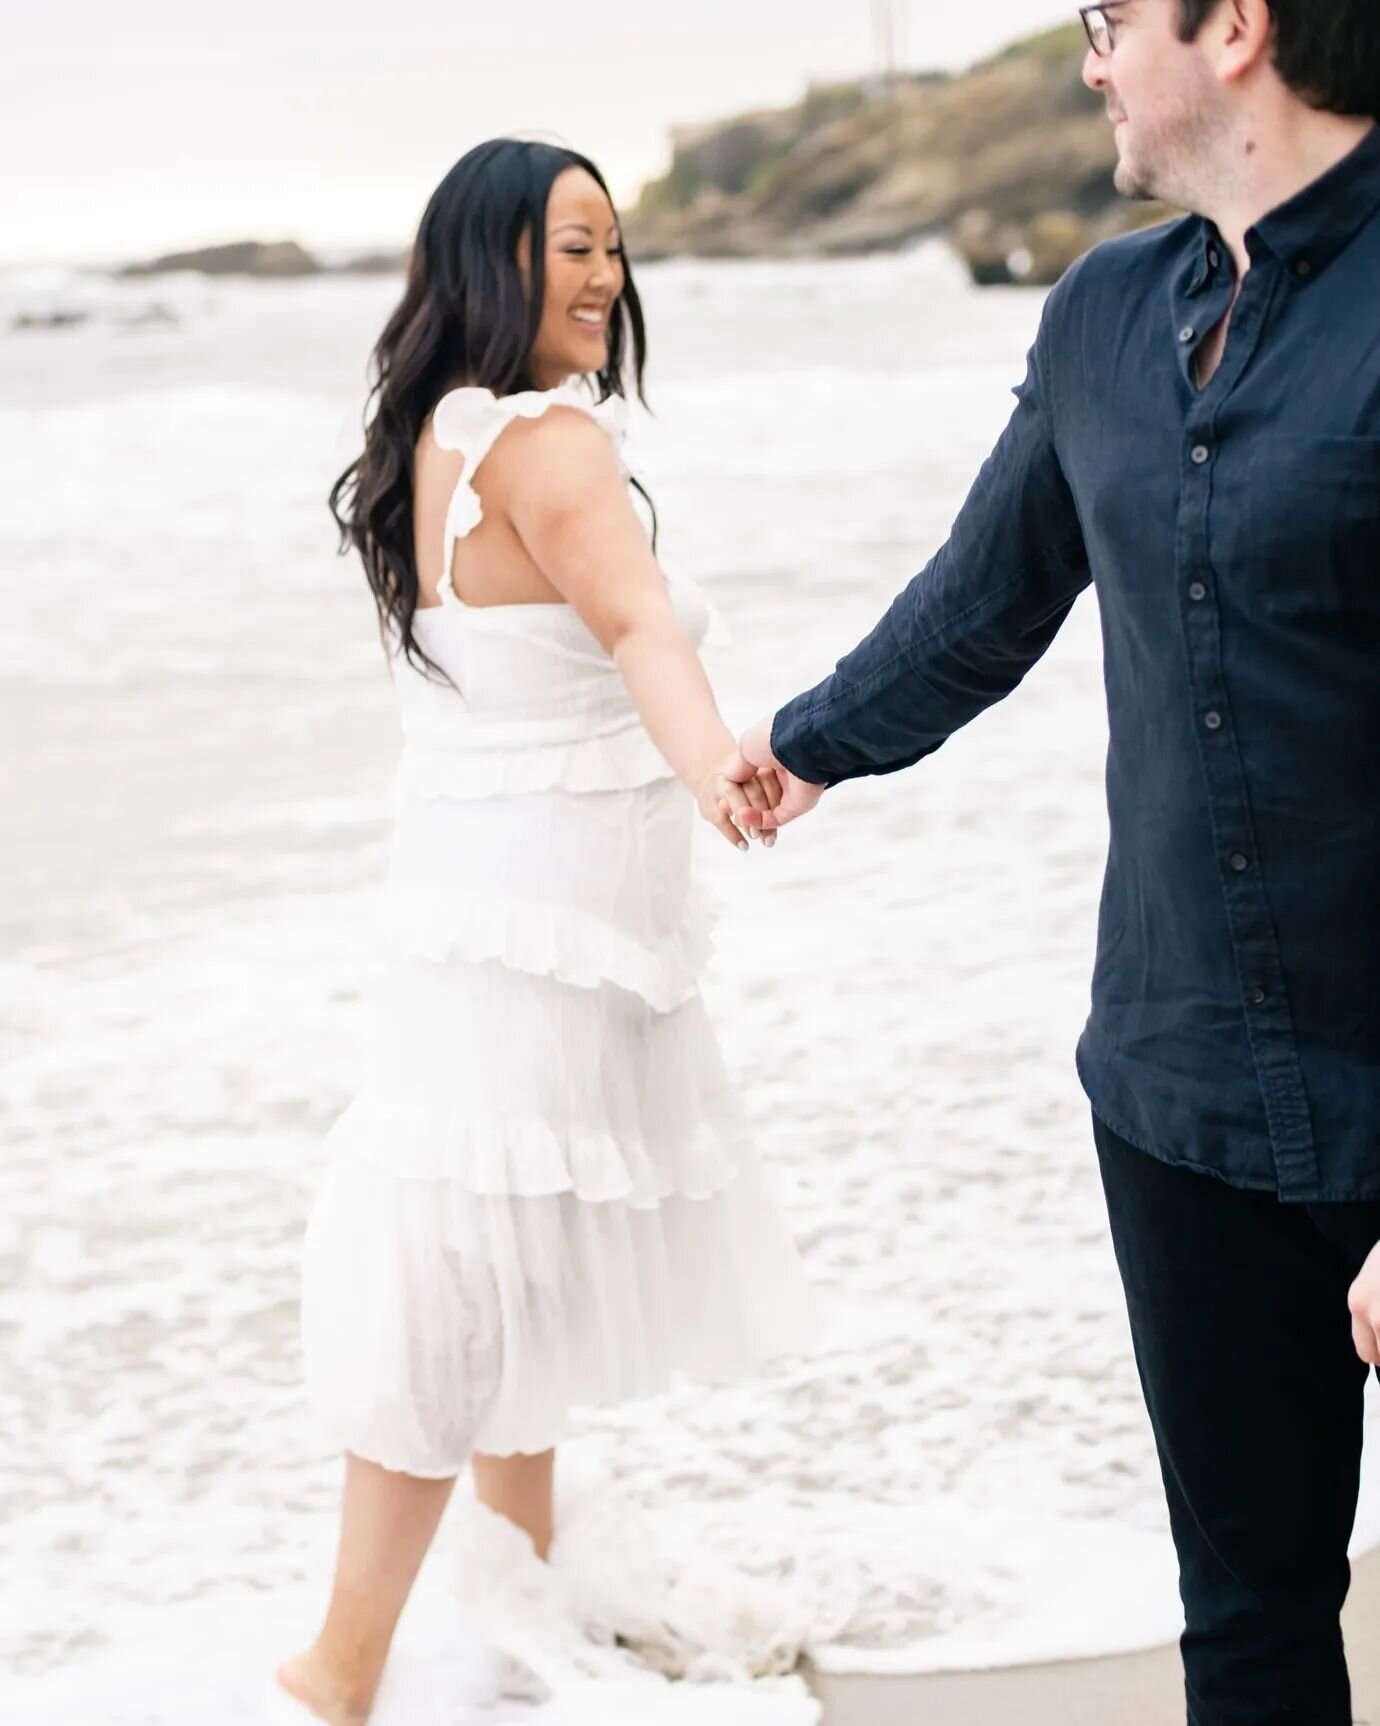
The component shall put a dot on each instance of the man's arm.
(968, 628)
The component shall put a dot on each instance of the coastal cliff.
(1012, 162)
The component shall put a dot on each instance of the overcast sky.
(134, 126)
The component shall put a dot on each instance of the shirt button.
(1187, 334)
(1214, 257)
(1239, 861)
(1259, 997)
(1196, 591)
(1201, 453)
(1213, 720)
(1303, 269)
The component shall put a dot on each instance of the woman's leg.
(522, 1489)
(388, 1521)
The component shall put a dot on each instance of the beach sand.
(1126, 1690)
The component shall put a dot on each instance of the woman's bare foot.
(338, 1698)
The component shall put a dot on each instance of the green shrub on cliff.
(1067, 42)
(1011, 161)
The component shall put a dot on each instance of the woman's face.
(584, 280)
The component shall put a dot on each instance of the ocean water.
(199, 739)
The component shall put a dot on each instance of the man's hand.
(1365, 1310)
(798, 796)
(732, 792)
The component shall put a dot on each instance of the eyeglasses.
(1101, 26)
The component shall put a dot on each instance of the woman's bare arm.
(568, 501)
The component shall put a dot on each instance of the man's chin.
(1131, 183)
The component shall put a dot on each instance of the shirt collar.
(1309, 231)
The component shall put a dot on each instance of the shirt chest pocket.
(1297, 521)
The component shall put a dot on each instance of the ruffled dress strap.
(472, 420)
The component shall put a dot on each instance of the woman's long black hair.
(466, 318)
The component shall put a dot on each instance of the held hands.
(1365, 1310)
(751, 795)
(797, 796)
(732, 791)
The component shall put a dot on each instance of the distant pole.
(884, 20)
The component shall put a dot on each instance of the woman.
(537, 1199)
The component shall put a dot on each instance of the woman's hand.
(796, 797)
(731, 789)
(1365, 1310)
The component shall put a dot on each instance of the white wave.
(195, 824)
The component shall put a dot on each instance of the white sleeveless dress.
(540, 1196)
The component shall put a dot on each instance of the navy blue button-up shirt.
(1233, 534)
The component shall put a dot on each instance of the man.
(1199, 435)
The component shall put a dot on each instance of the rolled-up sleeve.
(967, 629)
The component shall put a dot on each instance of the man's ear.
(1239, 36)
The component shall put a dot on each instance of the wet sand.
(1128, 1690)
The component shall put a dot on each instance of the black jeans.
(1238, 1308)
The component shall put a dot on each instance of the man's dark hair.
(1326, 51)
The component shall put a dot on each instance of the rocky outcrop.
(55, 318)
(373, 264)
(282, 260)
(1012, 161)
(275, 258)
(151, 317)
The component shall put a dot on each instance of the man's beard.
(1175, 165)
(1134, 183)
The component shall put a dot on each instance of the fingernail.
(743, 845)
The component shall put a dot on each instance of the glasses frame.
(1100, 25)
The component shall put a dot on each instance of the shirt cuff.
(792, 741)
